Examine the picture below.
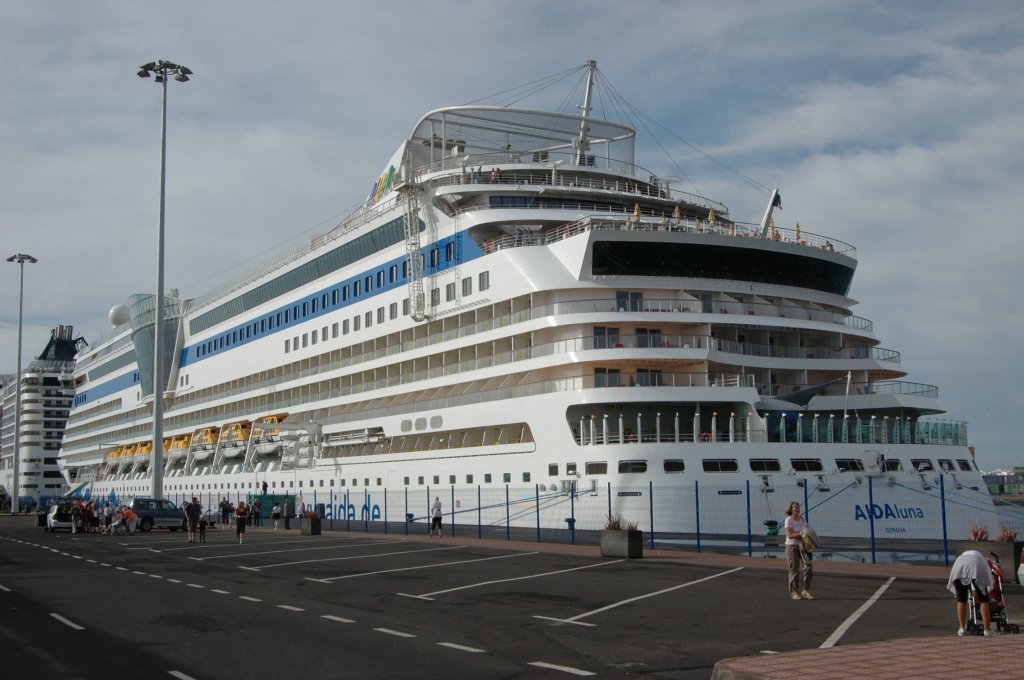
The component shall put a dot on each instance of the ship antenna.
(581, 150)
(774, 202)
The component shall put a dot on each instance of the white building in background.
(47, 391)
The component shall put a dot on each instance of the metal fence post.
(650, 494)
(508, 521)
(479, 514)
(696, 502)
(609, 500)
(750, 534)
(871, 515)
(572, 511)
(348, 516)
(453, 510)
(942, 505)
(385, 509)
(536, 496)
(366, 509)
(406, 511)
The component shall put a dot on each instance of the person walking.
(436, 513)
(241, 518)
(225, 511)
(275, 514)
(193, 513)
(798, 561)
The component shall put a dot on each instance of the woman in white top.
(797, 560)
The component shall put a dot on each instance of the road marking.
(219, 591)
(290, 608)
(121, 568)
(180, 675)
(565, 669)
(173, 580)
(575, 619)
(91, 561)
(396, 633)
(194, 585)
(155, 576)
(307, 549)
(104, 564)
(250, 599)
(140, 573)
(462, 648)
(355, 557)
(852, 619)
(70, 624)
(768, 651)
(6, 589)
(507, 580)
(424, 566)
(339, 619)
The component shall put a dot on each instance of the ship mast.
(581, 146)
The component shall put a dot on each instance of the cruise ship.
(521, 310)
(47, 390)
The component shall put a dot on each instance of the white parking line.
(180, 675)
(250, 599)
(430, 596)
(845, 625)
(352, 557)
(274, 552)
(6, 589)
(70, 624)
(195, 585)
(173, 580)
(575, 619)
(339, 619)
(424, 566)
(565, 669)
(290, 608)
(462, 648)
(219, 591)
(396, 633)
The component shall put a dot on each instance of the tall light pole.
(162, 70)
(21, 259)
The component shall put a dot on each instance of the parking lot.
(355, 604)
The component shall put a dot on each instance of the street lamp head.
(21, 258)
(181, 78)
(162, 69)
(143, 73)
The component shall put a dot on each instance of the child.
(202, 530)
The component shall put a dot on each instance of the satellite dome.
(118, 315)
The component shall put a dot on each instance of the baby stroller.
(996, 604)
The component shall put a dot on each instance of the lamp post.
(161, 70)
(21, 259)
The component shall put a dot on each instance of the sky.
(896, 127)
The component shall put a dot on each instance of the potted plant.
(622, 539)
(1005, 547)
(310, 524)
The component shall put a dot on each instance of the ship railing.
(558, 170)
(650, 220)
(860, 388)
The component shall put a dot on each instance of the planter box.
(622, 543)
(310, 526)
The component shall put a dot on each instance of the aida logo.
(887, 511)
(382, 185)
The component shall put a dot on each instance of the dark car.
(154, 512)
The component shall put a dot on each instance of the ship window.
(287, 315)
(368, 281)
(469, 479)
(627, 300)
(356, 287)
(965, 465)
(393, 311)
(405, 307)
(305, 340)
(849, 464)
(334, 297)
(467, 285)
(552, 469)
(946, 465)
(806, 464)
(674, 465)
(314, 336)
(287, 346)
(406, 482)
(435, 297)
(922, 464)
(323, 333)
(393, 273)
(356, 322)
(295, 312)
(449, 292)
(487, 478)
(506, 477)
(484, 281)
(526, 476)
(378, 481)
(344, 292)
(435, 257)
(334, 329)
(720, 465)
(893, 465)
(344, 327)
(632, 466)
(380, 279)
(380, 315)
(263, 325)
(606, 377)
(314, 301)
(368, 319)
(605, 337)
(449, 251)
(596, 468)
(570, 468)
(765, 465)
